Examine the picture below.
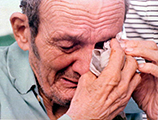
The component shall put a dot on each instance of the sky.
(7, 7)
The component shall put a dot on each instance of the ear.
(21, 30)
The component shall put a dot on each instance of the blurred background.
(7, 7)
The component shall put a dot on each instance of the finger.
(117, 113)
(112, 114)
(86, 80)
(129, 69)
(122, 101)
(145, 53)
(126, 76)
(126, 96)
(117, 57)
(148, 54)
(134, 83)
(110, 76)
(139, 44)
(116, 61)
(149, 68)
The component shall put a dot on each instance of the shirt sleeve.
(65, 117)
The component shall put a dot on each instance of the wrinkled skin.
(68, 32)
(146, 94)
(108, 94)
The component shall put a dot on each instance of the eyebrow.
(75, 39)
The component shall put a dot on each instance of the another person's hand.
(146, 94)
(104, 97)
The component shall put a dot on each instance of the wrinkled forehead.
(90, 6)
(96, 14)
(96, 6)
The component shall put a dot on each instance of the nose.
(82, 61)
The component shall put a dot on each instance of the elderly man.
(45, 74)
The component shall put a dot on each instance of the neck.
(54, 111)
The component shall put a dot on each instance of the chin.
(66, 99)
(63, 98)
(62, 101)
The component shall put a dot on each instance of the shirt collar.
(20, 72)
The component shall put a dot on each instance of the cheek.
(50, 56)
(54, 58)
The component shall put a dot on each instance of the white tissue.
(100, 57)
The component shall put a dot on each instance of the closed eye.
(67, 48)
(70, 49)
(67, 43)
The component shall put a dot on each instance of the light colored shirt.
(18, 88)
(17, 82)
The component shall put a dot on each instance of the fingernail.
(129, 49)
(141, 65)
(123, 45)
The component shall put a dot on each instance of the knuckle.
(153, 44)
(118, 51)
(88, 75)
(132, 61)
(115, 79)
(133, 43)
(124, 88)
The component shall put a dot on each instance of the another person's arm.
(146, 94)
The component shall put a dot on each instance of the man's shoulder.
(3, 52)
(3, 60)
(12, 51)
(10, 58)
(4, 75)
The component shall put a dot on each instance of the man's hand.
(103, 97)
(146, 94)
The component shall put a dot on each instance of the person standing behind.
(142, 22)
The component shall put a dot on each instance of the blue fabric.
(132, 111)
(132, 107)
(17, 82)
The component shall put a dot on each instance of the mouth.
(69, 83)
